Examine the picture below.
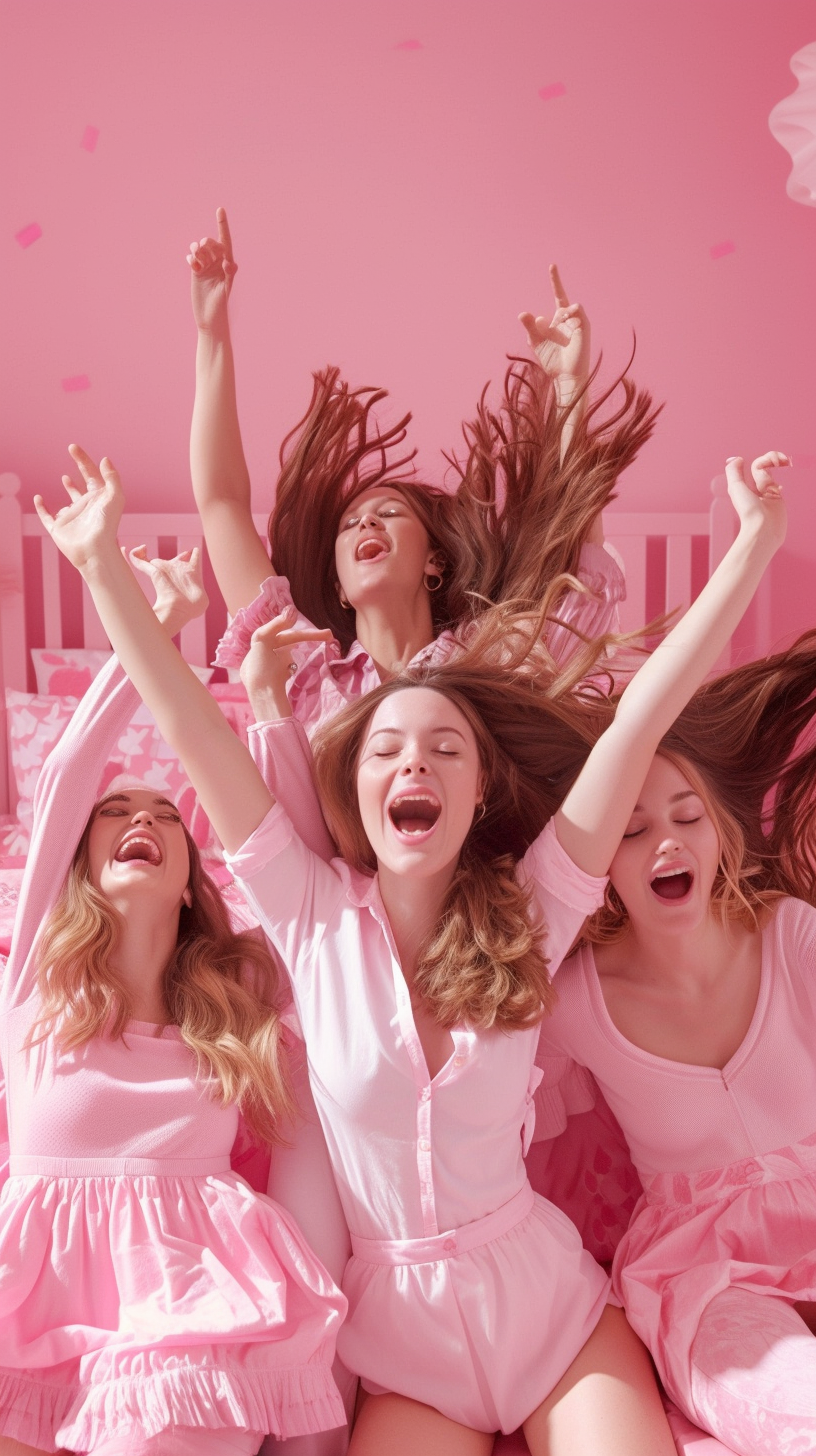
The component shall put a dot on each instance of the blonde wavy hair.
(220, 988)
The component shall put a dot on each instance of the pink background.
(394, 207)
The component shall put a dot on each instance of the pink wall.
(394, 208)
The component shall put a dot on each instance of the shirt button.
(424, 1145)
(449, 1246)
(426, 1092)
(458, 1061)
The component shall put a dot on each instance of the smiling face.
(665, 867)
(137, 840)
(381, 543)
(419, 781)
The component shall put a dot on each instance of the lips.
(371, 548)
(138, 847)
(414, 813)
(672, 885)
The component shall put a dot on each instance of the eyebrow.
(675, 798)
(448, 729)
(126, 799)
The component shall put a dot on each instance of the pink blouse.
(326, 681)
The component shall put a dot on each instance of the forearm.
(566, 388)
(217, 463)
(229, 786)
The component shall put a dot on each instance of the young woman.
(150, 1301)
(391, 565)
(420, 990)
(694, 1007)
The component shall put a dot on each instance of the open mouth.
(372, 549)
(414, 813)
(138, 848)
(674, 885)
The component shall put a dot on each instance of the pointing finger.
(223, 231)
(558, 288)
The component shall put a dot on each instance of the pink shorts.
(183, 1441)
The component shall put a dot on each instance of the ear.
(187, 898)
(435, 561)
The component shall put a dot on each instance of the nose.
(669, 843)
(413, 763)
(142, 816)
(367, 520)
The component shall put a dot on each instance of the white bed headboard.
(633, 534)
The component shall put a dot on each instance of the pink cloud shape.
(549, 93)
(409, 45)
(90, 137)
(721, 250)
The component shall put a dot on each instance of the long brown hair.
(517, 517)
(747, 743)
(485, 960)
(220, 988)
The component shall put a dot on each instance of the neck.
(413, 907)
(393, 631)
(692, 958)
(143, 950)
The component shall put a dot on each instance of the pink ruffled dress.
(143, 1284)
(722, 1243)
(325, 681)
(466, 1290)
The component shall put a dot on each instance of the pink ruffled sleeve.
(273, 597)
(592, 615)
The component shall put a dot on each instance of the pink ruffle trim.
(271, 599)
(284, 1403)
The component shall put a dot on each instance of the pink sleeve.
(592, 615)
(271, 599)
(564, 894)
(291, 889)
(282, 754)
(65, 794)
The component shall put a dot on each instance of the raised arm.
(594, 815)
(67, 786)
(230, 788)
(562, 347)
(220, 477)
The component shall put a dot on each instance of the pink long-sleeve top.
(325, 681)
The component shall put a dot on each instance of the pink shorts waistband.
(446, 1245)
(24, 1165)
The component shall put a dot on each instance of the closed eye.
(633, 833)
(695, 820)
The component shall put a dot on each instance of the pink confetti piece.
(721, 250)
(409, 45)
(28, 235)
(90, 137)
(75, 382)
(549, 93)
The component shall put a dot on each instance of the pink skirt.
(749, 1226)
(479, 1322)
(133, 1298)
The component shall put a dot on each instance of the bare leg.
(753, 1375)
(392, 1425)
(607, 1403)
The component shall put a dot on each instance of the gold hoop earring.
(436, 578)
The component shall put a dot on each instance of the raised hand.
(268, 664)
(177, 582)
(212, 269)
(561, 344)
(759, 502)
(86, 528)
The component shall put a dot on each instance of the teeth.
(668, 874)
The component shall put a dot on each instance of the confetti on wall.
(549, 93)
(75, 382)
(721, 250)
(409, 45)
(28, 235)
(90, 137)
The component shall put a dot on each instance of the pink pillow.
(69, 671)
(36, 722)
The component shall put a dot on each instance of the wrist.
(269, 703)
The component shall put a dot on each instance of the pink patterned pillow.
(68, 672)
(36, 722)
